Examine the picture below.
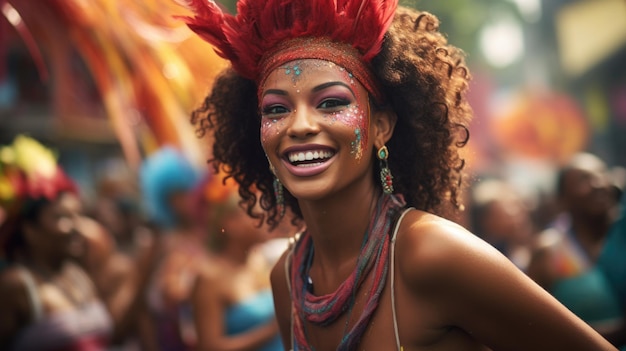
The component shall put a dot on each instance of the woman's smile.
(308, 160)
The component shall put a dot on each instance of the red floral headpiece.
(28, 170)
(267, 33)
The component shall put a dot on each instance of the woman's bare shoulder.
(11, 279)
(430, 247)
(13, 290)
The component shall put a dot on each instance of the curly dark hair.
(425, 79)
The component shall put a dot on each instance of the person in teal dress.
(612, 260)
(569, 263)
(237, 309)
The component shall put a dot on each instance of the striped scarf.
(324, 310)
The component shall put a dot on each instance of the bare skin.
(60, 284)
(119, 278)
(234, 273)
(225, 284)
(453, 290)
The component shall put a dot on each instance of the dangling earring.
(278, 193)
(280, 198)
(386, 178)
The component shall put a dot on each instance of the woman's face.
(56, 229)
(315, 127)
(587, 189)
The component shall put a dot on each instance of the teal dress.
(252, 313)
(612, 260)
(613, 257)
(590, 296)
(587, 290)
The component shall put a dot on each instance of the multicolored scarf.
(324, 310)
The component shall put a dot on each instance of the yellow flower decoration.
(7, 192)
(28, 168)
(33, 158)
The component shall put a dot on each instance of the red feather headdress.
(267, 33)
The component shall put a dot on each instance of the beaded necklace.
(373, 258)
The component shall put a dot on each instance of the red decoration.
(260, 26)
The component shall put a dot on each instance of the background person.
(566, 263)
(168, 182)
(237, 309)
(48, 302)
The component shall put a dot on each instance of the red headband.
(323, 49)
(263, 33)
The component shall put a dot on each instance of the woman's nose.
(302, 123)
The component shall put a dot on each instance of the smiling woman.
(351, 114)
(48, 303)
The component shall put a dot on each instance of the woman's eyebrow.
(330, 84)
(275, 92)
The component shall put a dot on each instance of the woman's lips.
(308, 161)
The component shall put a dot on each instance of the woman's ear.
(384, 122)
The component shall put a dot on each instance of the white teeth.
(309, 155)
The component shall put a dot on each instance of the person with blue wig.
(167, 176)
(169, 184)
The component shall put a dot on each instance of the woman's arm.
(480, 291)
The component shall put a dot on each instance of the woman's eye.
(274, 110)
(333, 103)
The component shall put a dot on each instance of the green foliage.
(462, 20)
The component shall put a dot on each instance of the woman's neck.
(337, 224)
(43, 266)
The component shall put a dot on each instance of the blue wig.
(162, 174)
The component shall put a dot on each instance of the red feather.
(260, 25)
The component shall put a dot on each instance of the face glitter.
(294, 71)
(357, 148)
(335, 105)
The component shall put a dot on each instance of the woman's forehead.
(307, 71)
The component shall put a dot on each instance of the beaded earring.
(278, 192)
(280, 198)
(386, 178)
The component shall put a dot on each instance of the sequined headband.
(321, 48)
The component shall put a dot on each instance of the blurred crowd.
(570, 241)
(166, 261)
(170, 261)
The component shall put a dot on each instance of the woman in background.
(168, 182)
(48, 303)
(500, 216)
(566, 261)
(237, 310)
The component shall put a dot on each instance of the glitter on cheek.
(355, 118)
(331, 117)
(267, 127)
(356, 146)
(271, 127)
